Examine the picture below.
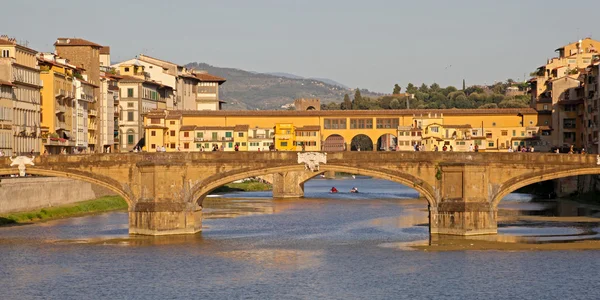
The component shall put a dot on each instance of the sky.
(366, 44)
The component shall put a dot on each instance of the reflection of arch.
(387, 142)
(311, 108)
(201, 189)
(516, 183)
(108, 183)
(361, 142)
(334, 142)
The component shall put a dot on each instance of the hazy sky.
(368, 44)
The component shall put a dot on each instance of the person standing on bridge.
(471, 148)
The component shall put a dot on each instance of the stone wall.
(26, 194)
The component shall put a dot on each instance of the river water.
(324, 246)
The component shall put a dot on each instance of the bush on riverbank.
(248, 186)
(108, 203)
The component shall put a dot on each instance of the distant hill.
(250, 90)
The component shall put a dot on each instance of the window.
(474, 132)
(129, 91)
(130, 139)
(230, 145)
(490, 144)
(545, 107)
(5, 53)
(493, 123)
(155, 121)
(435, 129)
(198, 146)
(172, 133)
(199, 135)
(569, 124)
(570, 107)
(228, 134)
(504, 132)
(172, 145)
(522, 133)
(240, 134)
(186, 134)
(387, 123)
(336, 123)
(186, 145)
(130, 116)
(172, 122)
(153, 146)
(569, 137)
(244, 144)
(283, 144)
(478, 142)
(360, 124)
(126, 69)
(214, 136)
(514, 133)
(153, 133)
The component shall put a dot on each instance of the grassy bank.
(248, 186)
(108, 203)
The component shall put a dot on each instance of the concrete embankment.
(32, 193)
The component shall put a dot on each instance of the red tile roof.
(75, 42)
(187, 127)
(391, 112)
(105, 50)
(209, 78)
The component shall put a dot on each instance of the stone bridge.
(165, 191)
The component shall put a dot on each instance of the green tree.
(359, 102)
(464, 86)
(411, 88)
(395, 104)
(434, 88)
(347, 104)
(489, 105)
(424, 88)
(397, 89)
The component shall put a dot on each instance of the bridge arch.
(519, 182)
(203, 188)
(387, 142)
(113, 186)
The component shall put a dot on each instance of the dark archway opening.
(361, 142)
(387, 142)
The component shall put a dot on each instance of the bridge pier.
(464, 208)
(463, 219)
(166, 218)
(288, 184)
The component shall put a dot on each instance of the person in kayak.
(354, 190)
(333, 190)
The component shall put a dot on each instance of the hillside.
(249, 90)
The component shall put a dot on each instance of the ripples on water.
(326, 246)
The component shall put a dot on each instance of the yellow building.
(489, 129)
(285, 137)
(57, 103)
(308, 138)
(240, 137)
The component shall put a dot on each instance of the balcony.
(58, 142)
(70, 95)
(227, 139)
(198, 139)
(61, 125)
(60, 93)
(60, 109)
(92, 112)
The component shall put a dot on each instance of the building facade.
(492, 130)
(19, 71)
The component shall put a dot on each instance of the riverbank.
(102, 204)
(248, 186)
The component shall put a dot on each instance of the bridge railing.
(332, 157)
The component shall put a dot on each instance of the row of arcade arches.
(360, 142)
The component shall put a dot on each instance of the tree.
(510, 81)
(411, 88)
(435, 87)
(489, 105)
(464, 87)
(347, 104)
(424, 88)
(359, 102)
(397, 89)
(395, 104)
